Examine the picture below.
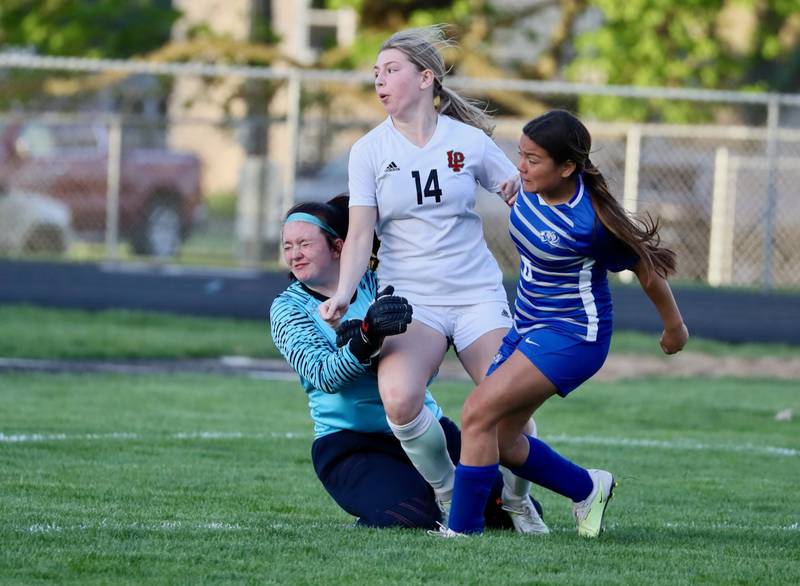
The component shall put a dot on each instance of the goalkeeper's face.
(309, 256)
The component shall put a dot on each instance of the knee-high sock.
(549, 469)
(472, 488)
(425, 445)
(515, 488)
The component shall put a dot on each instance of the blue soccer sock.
(470, 494)
(549, 469)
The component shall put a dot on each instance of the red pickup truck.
(159, 195)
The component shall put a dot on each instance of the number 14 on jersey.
(432, 188)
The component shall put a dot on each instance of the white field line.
(730, 527)
(689, 445)
(50, 527)
(170, 526)
(694, 527)
(202, 435)
(588, 440)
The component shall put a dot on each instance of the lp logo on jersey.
(455, 160)
(549, 237)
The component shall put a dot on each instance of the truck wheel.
(160, 232)
(46, 238)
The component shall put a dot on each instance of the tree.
(706, 44)
(76, 28)
(87, 28)
(474, 24)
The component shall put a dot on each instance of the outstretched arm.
(675, 334)
(309, 353)
(355, 257)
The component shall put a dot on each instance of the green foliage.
(50, 333)
(391, 13)
(87, 28)
(700, 499)
(707, 44)
(378, 20)
(35, 332)
(76, 28)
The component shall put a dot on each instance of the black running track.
(722, 314)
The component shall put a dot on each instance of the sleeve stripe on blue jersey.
(588, 300)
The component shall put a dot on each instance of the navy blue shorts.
(370, 477)
(566, 361)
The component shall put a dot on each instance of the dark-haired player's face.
(308, 255)
(541, 174)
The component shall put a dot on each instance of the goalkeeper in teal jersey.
(356, 457)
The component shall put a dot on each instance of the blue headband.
(311, 219)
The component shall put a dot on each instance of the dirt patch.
(617, 367)
(685, 364)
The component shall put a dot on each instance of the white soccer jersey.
(432, 250)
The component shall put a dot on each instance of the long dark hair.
(336, 214)
(565, 138)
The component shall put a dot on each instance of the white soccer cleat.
(445, 532)
(525, 517)
(590, 513)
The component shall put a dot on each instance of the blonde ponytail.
(423, 47)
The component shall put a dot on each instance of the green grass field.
(36, 332)
(204, 479)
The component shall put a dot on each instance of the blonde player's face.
(398, 82)
(540, 174)
(308, 255)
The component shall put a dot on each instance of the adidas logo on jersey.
(391, 167)
(505, 313)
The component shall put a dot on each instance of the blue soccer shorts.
(566, 360)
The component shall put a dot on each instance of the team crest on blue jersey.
(549, 237)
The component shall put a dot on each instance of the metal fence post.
(113, 174)
(630, 189)
(773, 118)
(293, 140)
(260, 195)
(723, 214)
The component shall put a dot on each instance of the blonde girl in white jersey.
(414, 178)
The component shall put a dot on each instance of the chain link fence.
(197, 164)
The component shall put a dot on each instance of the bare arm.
(675, 334)
(355, 257)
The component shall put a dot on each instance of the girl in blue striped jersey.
(569, 231)
(356, 457)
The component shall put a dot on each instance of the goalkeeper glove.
(388, 315)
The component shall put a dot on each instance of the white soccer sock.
(515, 489)
(425, 445)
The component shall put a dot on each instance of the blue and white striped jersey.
(342, 392)
(565, 253)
